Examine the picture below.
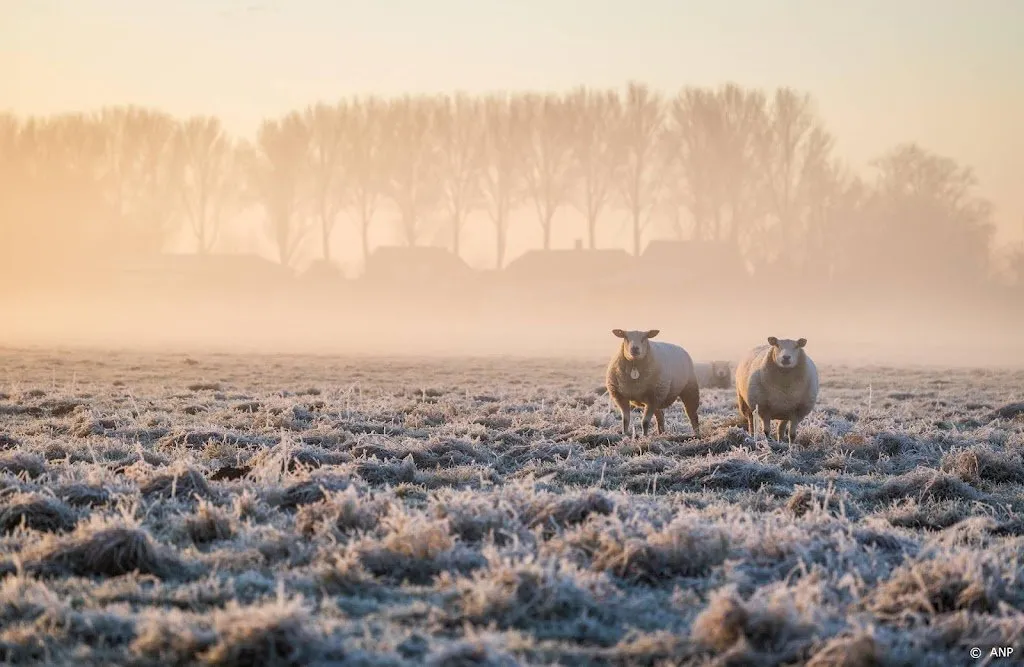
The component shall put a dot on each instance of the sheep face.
(787, 353)
(720, 371)
(635, 345)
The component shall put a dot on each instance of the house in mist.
(693, 260)
(322, 276)
(692, 264)
(559, 282)
(680, 269)
(405, 266)
(190, 274)
(563, 267)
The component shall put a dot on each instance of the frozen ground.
(228, 510)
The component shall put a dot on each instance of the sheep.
(651, 375)
(714, 374)
(779, 381)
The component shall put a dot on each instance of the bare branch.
(210, 184)
(366, 163)
(459, 124)
(143, 175)
(596, 152)
(640, 179)
(548, 156)
(278, 170)
(503, 145)
(412, 159)
(327, 126)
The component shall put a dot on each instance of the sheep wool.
(651, 375)
(780, 382)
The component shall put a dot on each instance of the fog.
(490, 319)
(520, 223)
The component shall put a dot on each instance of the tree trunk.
(501, 234)
(204, 245)
(592, 230)
(282, 246)
(364, 228)
(409, 225)
(325, 234)
(456, 233)
(736, 223)
(636, 232)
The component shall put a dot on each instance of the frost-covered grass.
(227, 510)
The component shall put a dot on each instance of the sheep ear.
(773, 341)
(653, 332)
(801, 342)
(618, 333)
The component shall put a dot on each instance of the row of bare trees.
(728, 164)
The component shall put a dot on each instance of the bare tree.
(711, 137)
(595, 151)
(11, 162)
(793, 147)
(16, 203)
(54, 211)
(328, 127)
(210, 185)
(638, 134)
(1015, 260)
(831, 198)
(460, 131)
(67, 161)
(692, 127)
(278, 179)
(143, 175)
(365, 163)
(547, 168)
(412, 159)
(503, 143)
(745, 116)
(926, 221)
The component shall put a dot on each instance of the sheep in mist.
(713, 374)
(651, 375)
(780, 381)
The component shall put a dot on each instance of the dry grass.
(219, 510)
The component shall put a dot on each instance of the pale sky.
(948, 74)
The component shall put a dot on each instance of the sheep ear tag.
(634, 374)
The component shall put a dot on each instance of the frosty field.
(234, 510)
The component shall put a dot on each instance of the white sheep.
(651, 375)
(780, 382)
(713, 374)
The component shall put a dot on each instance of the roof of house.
(699, 255)
(219, 263)
(545, 263)
(424, 261)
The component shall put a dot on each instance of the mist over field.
(306, 311)
(716, 326)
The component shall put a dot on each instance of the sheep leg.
(766, 423)
(784, 426)
(748, 414)
(691, 402)
(625, 408)
(793, 428)
(659, 416)
(648, 415)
